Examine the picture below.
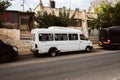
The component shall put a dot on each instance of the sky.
(72, 4)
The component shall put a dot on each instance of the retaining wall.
(14, 34)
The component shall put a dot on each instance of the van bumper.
(34, 50)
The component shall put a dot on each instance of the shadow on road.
(31, 56)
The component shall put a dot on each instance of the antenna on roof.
(70, 5)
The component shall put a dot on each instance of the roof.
(19, 11)
(55, 30)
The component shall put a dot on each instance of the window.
(73, 36)
(45, 37)
(59, 37)
(24, 21)
(77, 22)
(82, 37)
(89, 22)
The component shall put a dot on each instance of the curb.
(95, 46)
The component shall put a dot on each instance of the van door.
(83, 42)
(73, 42)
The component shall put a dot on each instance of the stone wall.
(23, 46)
(12, 34)
(94, 40)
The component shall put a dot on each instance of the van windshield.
(82, 37)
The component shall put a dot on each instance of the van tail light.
(36, 46)
(107, 42)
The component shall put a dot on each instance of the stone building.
(16, 29)
(81, 18)
(18, 20)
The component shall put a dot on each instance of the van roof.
(55, 30)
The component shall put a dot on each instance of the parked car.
(110, 37)
(7, 52)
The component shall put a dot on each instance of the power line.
(25, 5)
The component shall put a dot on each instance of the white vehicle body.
(59, 40)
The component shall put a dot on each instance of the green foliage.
(44, 20)
(116, 15)
(3, 5)
(108, 15)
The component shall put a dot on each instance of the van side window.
(82, 37)
(45, 37)
(73, 36)
(59, 37)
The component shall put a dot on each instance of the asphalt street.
(97, 65)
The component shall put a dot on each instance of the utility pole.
(23, 5)
(50, 3)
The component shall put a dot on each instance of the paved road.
(97, 65)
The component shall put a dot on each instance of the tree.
(44, 20)
(116, 14)
(108, 15)
(3, 5)
(65, 19)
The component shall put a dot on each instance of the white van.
(55, 40)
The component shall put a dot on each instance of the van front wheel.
(88, 49)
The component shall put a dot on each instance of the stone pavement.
(96, 46)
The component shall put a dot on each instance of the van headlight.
(15, 48)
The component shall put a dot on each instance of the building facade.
(81, 18)
(18, 20)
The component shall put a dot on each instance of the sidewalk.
(27, 53)
(96, 46)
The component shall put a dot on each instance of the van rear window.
(33, 37)
(45, 37)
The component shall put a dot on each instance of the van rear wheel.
(53, 52)
(36, 54)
